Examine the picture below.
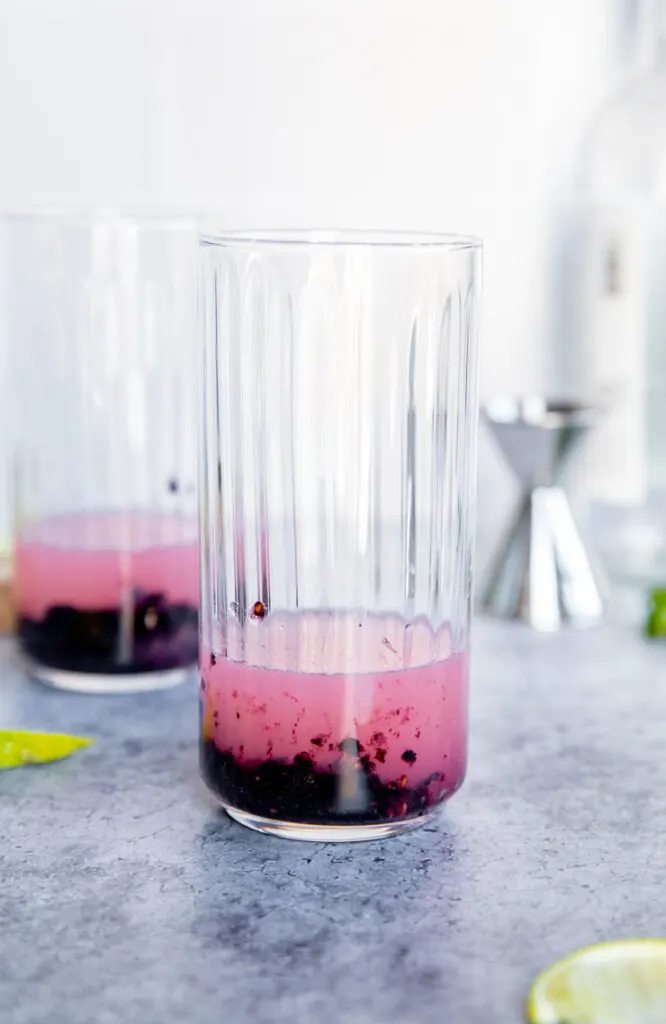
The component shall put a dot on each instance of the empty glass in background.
(101, 312)
(337, 519)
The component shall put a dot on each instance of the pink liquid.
(108, 593)
(402, 722)
(88, 561)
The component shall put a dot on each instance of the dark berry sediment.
(298, 791)
(162, 636)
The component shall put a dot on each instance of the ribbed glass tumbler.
(102, 327)
(337, 483)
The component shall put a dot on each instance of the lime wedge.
(18, 748)
(655, 626)
(610, 983)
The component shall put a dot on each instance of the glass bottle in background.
(337, 519)
(101, 314)
(622, 312)
(7, 621)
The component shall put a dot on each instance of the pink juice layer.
(88, 561)
(407, 713)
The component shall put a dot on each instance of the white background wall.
(434, 114)
(453, 115)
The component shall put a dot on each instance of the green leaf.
(17, 748)
(655, 626)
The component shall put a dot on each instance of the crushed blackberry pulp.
(298, 791)
(163, 636)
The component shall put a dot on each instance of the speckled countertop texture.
(126, 896)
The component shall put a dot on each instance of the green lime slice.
(17, 748)
(610, 983)
(655, 627)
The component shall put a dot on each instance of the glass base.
(327, 833)
(89, 682)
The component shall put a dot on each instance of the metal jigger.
(542, 574)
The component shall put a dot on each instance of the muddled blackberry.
(297, 791)
(162, 636)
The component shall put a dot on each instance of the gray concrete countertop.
(126, 896)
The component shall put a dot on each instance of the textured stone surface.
(126, 896)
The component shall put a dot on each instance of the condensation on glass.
(102, 318)
(338, 461)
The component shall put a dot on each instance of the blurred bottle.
(7, 613)
(622, 311)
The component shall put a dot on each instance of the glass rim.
(290, 238)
